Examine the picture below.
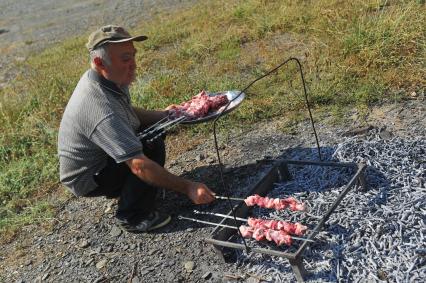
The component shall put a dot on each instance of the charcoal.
(372, 236)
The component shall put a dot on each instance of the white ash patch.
(376, 235)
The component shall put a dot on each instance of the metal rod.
(242, 247)
(207, 222)
(231, 198)
(319, 163)
(232, 227)
(160, 127)
(220, 215)
(154, 125)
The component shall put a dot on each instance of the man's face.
(122, 69)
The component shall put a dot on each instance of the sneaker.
(152, 221)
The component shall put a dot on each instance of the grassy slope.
(353, 52)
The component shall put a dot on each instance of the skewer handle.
(231, 198)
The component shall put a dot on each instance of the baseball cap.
(111, 33)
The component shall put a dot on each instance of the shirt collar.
(95, 76)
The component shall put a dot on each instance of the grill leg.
(298, 269)
(362, 182)
(284, 173)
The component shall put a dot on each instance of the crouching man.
(99, 152)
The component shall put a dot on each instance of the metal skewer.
(231, 198)
(220, 215)
(231, 227)
(154, 125)
(160, 127)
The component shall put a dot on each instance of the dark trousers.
(136, 198)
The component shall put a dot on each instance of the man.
(99, 152)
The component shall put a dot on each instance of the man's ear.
(98, 62)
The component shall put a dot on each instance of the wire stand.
(226, 107)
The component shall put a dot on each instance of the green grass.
(354, 54)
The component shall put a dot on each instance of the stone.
(84, 244)
(45, 276)
(115, 232)
(206, 275)
(136, 280)
(101, 264)
(189, 266)
(385, 134)
(200, 157)
(252, 280)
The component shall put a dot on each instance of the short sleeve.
(117, 139)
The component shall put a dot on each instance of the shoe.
(154, 220)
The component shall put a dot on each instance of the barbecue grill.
(221, 237)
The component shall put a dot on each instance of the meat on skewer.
(260, 234)
(292, 228)
(276, 203)
(288, 227)
(199, 106)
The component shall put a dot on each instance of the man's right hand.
(200, 194)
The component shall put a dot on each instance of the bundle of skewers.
(278, 231)
(159, 129)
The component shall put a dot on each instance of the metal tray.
(233, 95)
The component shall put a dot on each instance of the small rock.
(132, 246)
(84, 244)
(189, 266)
(101, 264)
(89, 262)
(109, 207)
(200, 157)
(385, 134)
(45, 276)
(136, 280)
(206, 275)
(413, 94)
(189, 229)
(358, 131)
(252, 280)
(151, 252)
(115, 232)
(210, 159)
(28, 262)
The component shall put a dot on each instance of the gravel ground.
(83, 242)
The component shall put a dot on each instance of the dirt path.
(28, 26)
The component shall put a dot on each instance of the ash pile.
(377, 235)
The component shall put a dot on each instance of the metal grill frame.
(280, 173)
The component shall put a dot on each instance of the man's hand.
(200, 194)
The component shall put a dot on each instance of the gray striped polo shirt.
(98, 122)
